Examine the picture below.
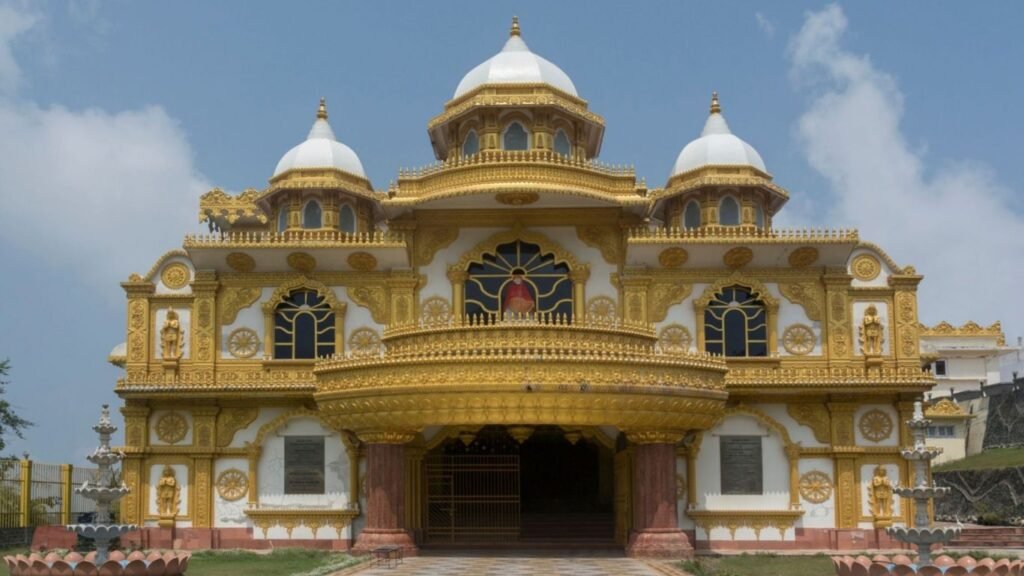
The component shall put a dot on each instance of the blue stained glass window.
(303, 327)
(736, 324)
(518, 279)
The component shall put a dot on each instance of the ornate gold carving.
(945, 408)
(387, 436)
(170, 337)
(872, 332)
(312, 518)
(654, 436)
(865, 267)
(240, 262)
(663, 295)
(274, 425)
(547, 246)
(842, 424)
(435, 310)
(203, 494)
(674, 339)
(517, 198)
(798, 339)
(231, 420)
(969, 328)
(306, 239)
(282, 292)
(364, 342)
(232, 484)
(605, 238)
(168, 497)
(175, 276)
(602, 310)
(171, 428)
(373, 297)
(880, 498)
(756, 520)
(803, 257)
(815, 487)
(431, 239)
(738, 257)
(520, 95)
(805, 294)
(301, 262)
(243, 343)
(732, 235)
(814, 416)
(673, 257)
(875, 425)
(232, 300)
(758, 290)
(847, 514)
(217, 204)
(362, 261)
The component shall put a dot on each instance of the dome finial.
(515, 27)
(715, 107)
(321, 112)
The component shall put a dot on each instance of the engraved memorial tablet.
(741, 465)
(303, 465)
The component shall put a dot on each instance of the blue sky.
(901, 119)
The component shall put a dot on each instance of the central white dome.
(717, 146)
(515, 64)
(321, 150)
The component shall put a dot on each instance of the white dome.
(717, 145)
(515, 64)
(321, 150)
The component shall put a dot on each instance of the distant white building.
(967, 357)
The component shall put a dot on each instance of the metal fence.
(37, 494)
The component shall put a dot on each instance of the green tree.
(9, 421)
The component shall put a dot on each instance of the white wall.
(821, 515)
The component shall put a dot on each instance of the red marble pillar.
(385, 496)
(656, 532)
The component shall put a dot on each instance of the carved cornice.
(312, 518)
(969, 329)
(946, 409)
(758, 290)
(519, 95)
(654, 436)
(282, 292)
(757, 520)
(809, 295)
(306, 239)
(739, 234)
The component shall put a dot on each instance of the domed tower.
(320, 184)
(719, 180)
(516, 100)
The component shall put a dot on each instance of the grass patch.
(987, 460)
(759, 565)
(284, 562)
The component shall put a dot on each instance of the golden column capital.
(654, 436)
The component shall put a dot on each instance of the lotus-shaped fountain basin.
(933, 535)
(922, 491)
(74, 564)
(901, 565)
(105, 532)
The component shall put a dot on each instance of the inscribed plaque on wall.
(304, 465)
(741, 465)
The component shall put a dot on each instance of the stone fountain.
(104, 491)
(923, 534)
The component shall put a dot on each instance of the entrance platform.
(517, 563)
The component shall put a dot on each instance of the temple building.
(518, 344)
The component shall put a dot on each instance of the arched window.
(282, 218)
(691, 216)
(312, 216)
(471, 145)
(562, 145)
(303, 326)
(729, 212)
(736, 324)
(758, 216)
(518, 279)
(516, 137)
(347, 218)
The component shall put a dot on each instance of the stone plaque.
(742, 467)
(304, 465)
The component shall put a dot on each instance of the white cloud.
(765, 25)
(100, 193)
(952, 222)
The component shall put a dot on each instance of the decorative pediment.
(756, 288)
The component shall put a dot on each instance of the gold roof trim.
(945, 408)
(745, 234)
(969, 328)
(217, 204)
(721, 175)
(896, 268)
(297, 239)
(762, 379)
(300, 178)
(527, 94)
(176, 253)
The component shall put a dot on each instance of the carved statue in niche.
(170, 337)
(871, 332)
(880, 498)
(168, 497)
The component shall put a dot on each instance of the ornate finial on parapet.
(321, 112)
(715, 107)
(515, 27)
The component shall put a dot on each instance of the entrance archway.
(531, 486)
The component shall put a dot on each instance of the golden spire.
(715, 107)
(515, 27)
(321, 112)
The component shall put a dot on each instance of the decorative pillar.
(844, 443)
(579, 279)
(656, 532)
(138, 292)
(413, 489)
(204, 313)
(692, 451)
(65, 493)
(905, 347)
(402, 288)
(458, 279)
(773, 328)
(634, 284)
(793, 454)
(202, 491)
(253, 453)
(131, 475)
(837, 307)
(385, 493)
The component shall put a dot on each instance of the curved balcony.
(521, 371)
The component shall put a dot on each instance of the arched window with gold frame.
(736, 323)
(304, 326)
(518, 278)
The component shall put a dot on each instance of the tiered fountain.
(923, 534)
(104, 491)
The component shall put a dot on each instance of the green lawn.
(759, 565)
(285, 562)
(989, 459)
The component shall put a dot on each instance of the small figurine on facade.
(170, 337)
(880, 498)
(168, 497)
(871, 332)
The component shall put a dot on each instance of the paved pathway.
(516, 564)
